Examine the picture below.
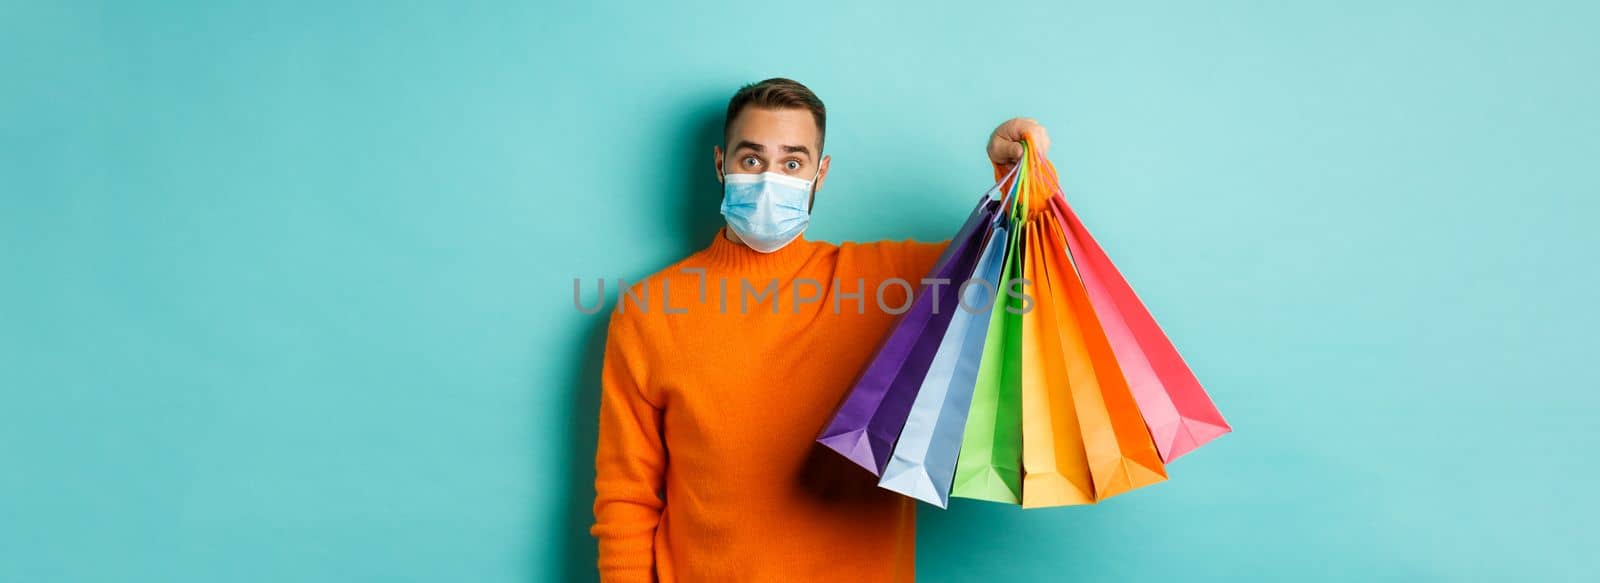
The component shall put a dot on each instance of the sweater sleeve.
(907, 259)
(918, 258)
(630, 460)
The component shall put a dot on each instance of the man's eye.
(751, 161)
(792, 165)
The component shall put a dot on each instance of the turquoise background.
(286, 288)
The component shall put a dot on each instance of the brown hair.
(777, 93)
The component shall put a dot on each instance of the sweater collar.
(738, 258)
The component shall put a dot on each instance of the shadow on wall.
(692, 182)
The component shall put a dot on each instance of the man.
(720, 370)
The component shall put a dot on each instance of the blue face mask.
(767, 210)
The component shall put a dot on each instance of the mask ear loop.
(722, 169)
(814, 177)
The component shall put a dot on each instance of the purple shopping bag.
(869, 419)
(923, 462)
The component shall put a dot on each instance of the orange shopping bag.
(1121, 454)
(1178, 413)
(1088, 440)
(1055, 469)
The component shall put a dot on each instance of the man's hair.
(777, 93)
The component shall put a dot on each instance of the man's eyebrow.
(749, 144)
(797, 149)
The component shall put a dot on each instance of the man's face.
(785, 141)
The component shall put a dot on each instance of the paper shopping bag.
(1117, 448)
(1054, 463)
(989, 466)
(1177, 412)
(867, 422)
(923, 463)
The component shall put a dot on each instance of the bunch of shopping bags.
(1034, 377)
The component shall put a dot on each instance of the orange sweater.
(706, 468)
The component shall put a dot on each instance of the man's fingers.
(1005, 146)
(1016, 128)
(1010, 152)
(1027, 128)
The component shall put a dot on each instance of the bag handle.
(1030, 170)
(1017, 176)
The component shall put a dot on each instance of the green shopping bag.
(990, 464)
